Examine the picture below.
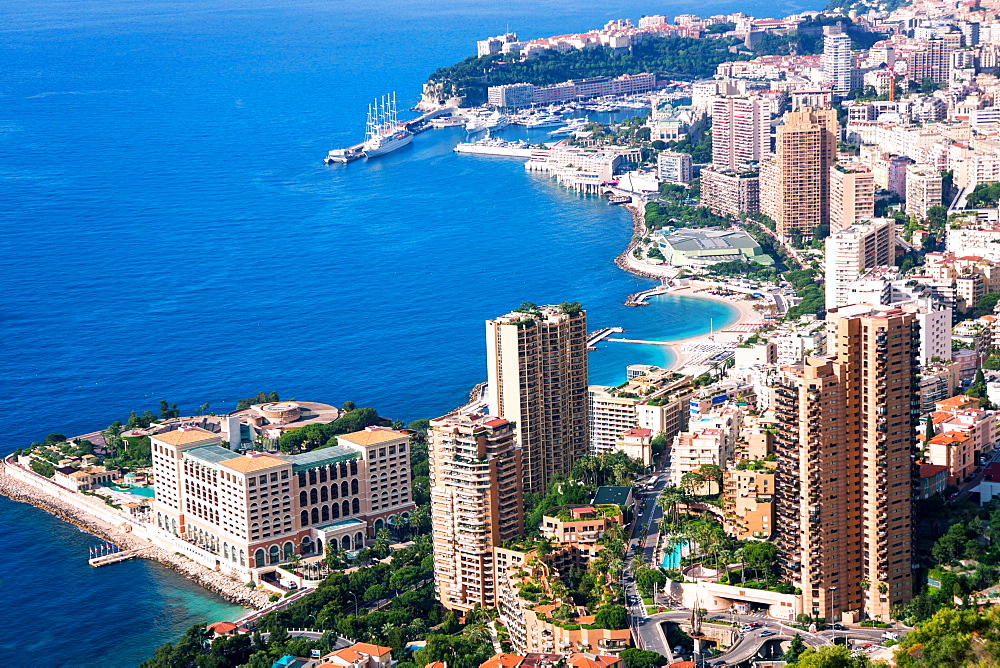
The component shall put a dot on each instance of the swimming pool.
(672, 559)
(147, 492)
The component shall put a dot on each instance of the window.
(323, 494)
(354, 486)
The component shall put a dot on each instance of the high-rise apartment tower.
(795, 181)
(741, 128)
(476, 504)
(537, 372)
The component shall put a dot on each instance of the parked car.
(889, 635)
(766, 632)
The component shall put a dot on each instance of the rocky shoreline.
(224, 586)
(638, 232)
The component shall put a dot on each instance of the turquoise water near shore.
(171, 233)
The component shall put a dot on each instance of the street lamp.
(355, 602)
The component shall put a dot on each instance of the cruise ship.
(384, 133)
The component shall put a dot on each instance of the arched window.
(345, 509)
(303, 498)
(275, 554)
(326, 513)
(354, 486)
(243, 558)
(323, 495)
(289, 550)
(159, 520)
(379, 524)
(307, 545)
(334, 491)
(304, 518)
(344, 488)
(315, 516)
(313, 496)
(258, 558)
(359, 540)
(335, 510)
(225, 550)
(356, 506)
(345, 543)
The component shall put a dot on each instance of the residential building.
(730, 192)
(741, 131)
(709, 439)
(673, 167)
(989, 488)
(358, 655)
(476, 504)
(837, 63)
(852, 250)
(954, 451)
(242, 514)
(852, 195)
(511, 96)
(923, 190)
(84, 479)
(574, 532)
(932, 480)
(845, 438)
(795, 181)
(938, 381)
(537, 371)
(748, 498)
(637, 444)
(962, 413)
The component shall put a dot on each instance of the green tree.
(611, 617)
(641, 658)
(795, 648)
(951, 639)
(42, 467)
(836, 656)
(986, 303)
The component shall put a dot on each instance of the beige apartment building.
(795, 180)
(837, 416)
(852, 195)
(537, 370)
(923, 190)
(476, 504)
(730, 192)
(748, 501)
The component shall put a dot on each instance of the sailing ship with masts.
(384, 133)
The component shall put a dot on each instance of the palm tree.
(638, 563)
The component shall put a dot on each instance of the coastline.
(746, 314)
(221, 585)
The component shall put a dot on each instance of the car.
(767, 632)
(889, 635)
(836, 627)
(755, 625)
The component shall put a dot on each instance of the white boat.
(494, 121)
(543, 121)
(574, 125)
(384, 133)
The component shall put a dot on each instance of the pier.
(596, 337)
(648, 343)
(114, 558)
(639, 298)
(415, 126)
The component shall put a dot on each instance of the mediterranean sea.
(169, 231)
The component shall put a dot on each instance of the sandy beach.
(700, 290)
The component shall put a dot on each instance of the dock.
(114, 558)
(596, 337)
(648, 343)
(639, 298)
(415, 126)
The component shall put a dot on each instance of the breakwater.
(18, 485)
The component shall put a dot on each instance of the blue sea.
(169, 231)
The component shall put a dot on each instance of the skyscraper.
(852, 195)
(795, 181)
(741, 131)
(852, 250)
(837, 62)
(476, 504)
(537, 371)
(844, 488)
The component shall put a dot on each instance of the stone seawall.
(20, 485)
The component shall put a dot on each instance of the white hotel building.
(258, 509)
